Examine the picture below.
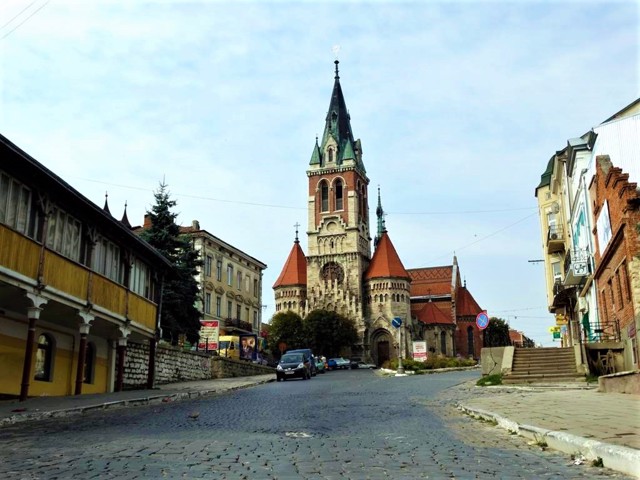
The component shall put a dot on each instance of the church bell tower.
(339, 243)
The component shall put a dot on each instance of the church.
(341, 273)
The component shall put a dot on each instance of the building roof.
(430, 314)
(545, 178)
(432, 281)
(465, 303)
(386, 262)
(294, 271)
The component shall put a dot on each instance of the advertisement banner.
(248, 345)
(209, 334)
(420, 351)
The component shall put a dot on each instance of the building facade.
(340, 272)
(75, 286)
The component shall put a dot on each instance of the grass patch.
(490, 380)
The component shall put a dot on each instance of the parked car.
(338, 363)
(293, 365)
(309, 356)
(320, 367)
(361, 364)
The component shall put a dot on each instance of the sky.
(459, 106)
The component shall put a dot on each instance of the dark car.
(293, 365)
(308, 354)
(338, 363)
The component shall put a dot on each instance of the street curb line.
(131, 402)
(619, 458)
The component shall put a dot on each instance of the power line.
(17, 15)
(463, 211)
(23, 22)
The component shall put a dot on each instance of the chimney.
(147, 221)
(195, 224)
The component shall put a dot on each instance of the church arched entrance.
(382, 347)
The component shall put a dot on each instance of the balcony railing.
(555, 239)
(577, 266)
(237, 323)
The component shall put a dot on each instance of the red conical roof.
(385, 261)
(295, 269)
(432, 315)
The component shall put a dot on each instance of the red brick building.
(616, 211)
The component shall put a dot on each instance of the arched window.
(44, 358)
(470, 350)
(330, 154)
(443, 343)
(89, 363)
(338, 190)
(324, 196)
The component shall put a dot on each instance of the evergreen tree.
(180, 292)
(497, 333)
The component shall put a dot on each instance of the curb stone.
(622, 459)
(149, 400)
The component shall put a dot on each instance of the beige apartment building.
(230, 284)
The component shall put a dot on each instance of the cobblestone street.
(346, 424)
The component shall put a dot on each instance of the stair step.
(543, 379)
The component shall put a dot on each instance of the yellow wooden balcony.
(19, 253)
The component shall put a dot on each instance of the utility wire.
(23, 22)
(17, 15)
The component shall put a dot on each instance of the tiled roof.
(295, 269)
(386, 262)
(431, 281)
(430, 314)
(466, 304)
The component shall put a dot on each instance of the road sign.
(396, 322)
(482, 320)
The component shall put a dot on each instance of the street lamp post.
(400, 367)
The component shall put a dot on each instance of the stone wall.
(172, 365)
(176, 365)
(496, 360)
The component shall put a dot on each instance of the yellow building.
(75, 285)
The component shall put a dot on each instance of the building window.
(338, 190)
(238, 311)
(625, 278)
(230, 309)
(106, 260)
(255, 321)
(255, 287)
(613, 300)
(64, 234)
(218, 306)
(219, 270)
(89, 363)
(330, 154)
(207, 303)
(619, 283)
(246, 311)
(229, 274)
(15, 205)
(443, 343)
(324, 196)
(207, 265)
(44, 358)
(239, 280)
(140, 280)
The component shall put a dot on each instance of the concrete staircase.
(543, 365)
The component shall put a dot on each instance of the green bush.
(433, 363)
(490, 380)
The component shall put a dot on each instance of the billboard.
(420, 351)
(248, 344)
(209, 332)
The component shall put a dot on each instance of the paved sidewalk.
(575, 420)
(39, 408)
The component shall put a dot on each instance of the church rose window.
(332, 271)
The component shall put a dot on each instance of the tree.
(497, 333)
(180, 291)
(328, 332)
(286, 327)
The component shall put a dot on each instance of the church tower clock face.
(332, 271)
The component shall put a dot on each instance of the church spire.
(106, 203)
(381, 224)
(125, 219)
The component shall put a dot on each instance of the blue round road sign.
(482, 320)
(396, 322)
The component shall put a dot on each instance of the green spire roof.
(316, 156)
(347, 152)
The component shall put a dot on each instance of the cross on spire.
(297, 225)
